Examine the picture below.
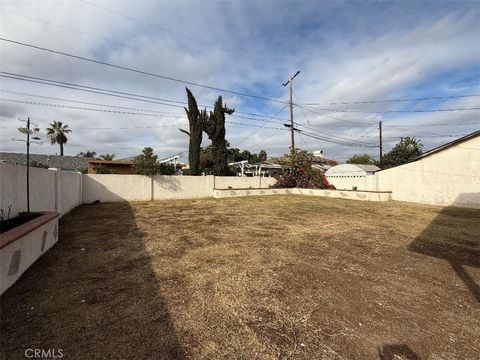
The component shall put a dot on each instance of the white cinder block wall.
(50, 190)
(449, 177)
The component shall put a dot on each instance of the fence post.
(56, 187)
(151, 188)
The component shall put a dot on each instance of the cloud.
(346, 51)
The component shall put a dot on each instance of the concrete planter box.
(22, 246)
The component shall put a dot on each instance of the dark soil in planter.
(20, 219)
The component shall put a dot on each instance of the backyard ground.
(293, 277)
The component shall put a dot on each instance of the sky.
(352, 56)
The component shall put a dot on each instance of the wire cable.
(115, 93)
(138, 71)
(392, 100)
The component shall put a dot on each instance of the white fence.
(243, 182)
(112, 188)
(448, 177)
(50, 190)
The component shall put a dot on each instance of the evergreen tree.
(262, 156)
(146, 163)
(196, 120)
(215, 128)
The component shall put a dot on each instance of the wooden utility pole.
(381, 141)
(292, 127)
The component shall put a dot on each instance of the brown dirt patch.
(263, 277)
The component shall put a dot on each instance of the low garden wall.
(343, 194)
(23, 245)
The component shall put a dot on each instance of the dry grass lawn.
(263, 277)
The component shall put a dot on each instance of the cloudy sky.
(347, 52)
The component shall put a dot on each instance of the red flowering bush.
(298, 172)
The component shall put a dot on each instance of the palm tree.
(56, 132)
(107, 157)
(87, 153)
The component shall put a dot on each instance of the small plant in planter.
(7, 223)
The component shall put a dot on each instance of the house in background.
(125, 166)
(70, 163)
(352, 176)
(114, 167)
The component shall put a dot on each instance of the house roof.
(53, 161)
(368, 168)
(449, 144)
(106, 162)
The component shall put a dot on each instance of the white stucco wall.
(50, 190)
(243, 182)
(182, 187)
(69, 191)
(449, 177)
(113, 188)
(13, 185)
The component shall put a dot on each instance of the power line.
(344, 143)
(85, 102)
(115, 93)
(392, 100)
(122, 112)
(138, 71)
(410, 126)
(333, 117)
(253, 132)
(400, 111)
(146, 111)
(87, 109)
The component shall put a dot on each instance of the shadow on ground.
(445, 238)
(397, 351)
(100, 296)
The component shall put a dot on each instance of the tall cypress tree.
(215, 129)
(196, 120)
